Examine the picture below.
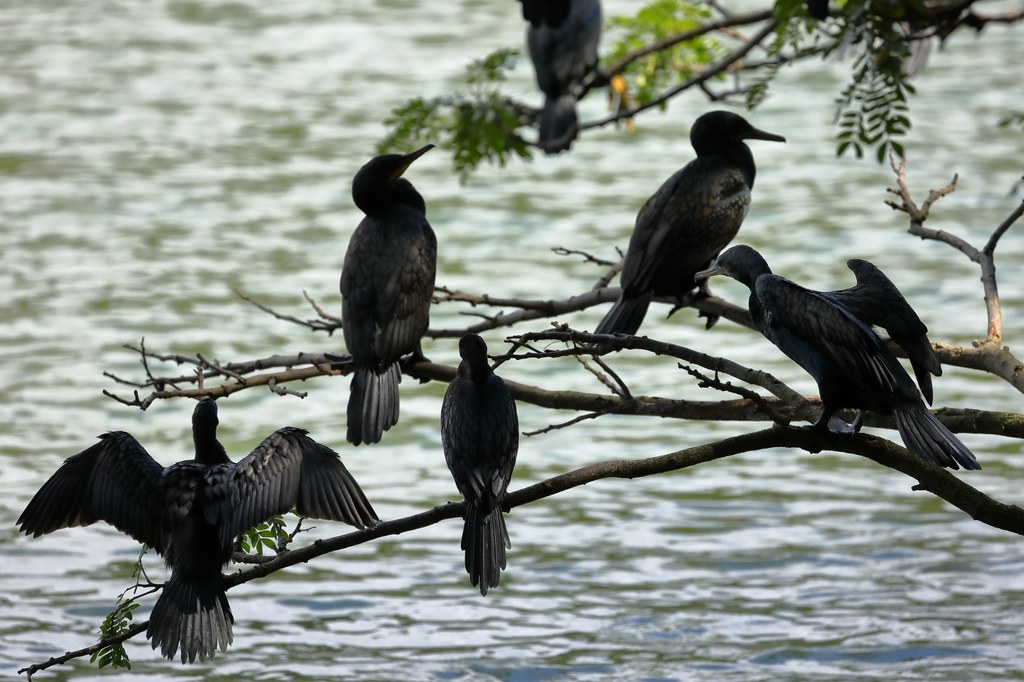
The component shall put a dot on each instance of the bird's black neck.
(209, 451)
(371, 198)
(747, 276)
(476, 369)
(739, 154)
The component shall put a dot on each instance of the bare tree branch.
(987, 355)
(710, 72)
(929, 477)
(322, 323)
(279, 369)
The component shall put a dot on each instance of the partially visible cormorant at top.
(817, 9)
(562, 57)
(191, 512)
(692, 216)
(836, 345)
(387, 281)
(480, 437)
(545, 12)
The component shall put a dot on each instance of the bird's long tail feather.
(373, 403)
(485, 538)
(923, 433)
(193, 617)
(626, 315)
(557, 123)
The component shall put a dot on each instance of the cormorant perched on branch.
(191, 512)
(692, 216)
(387, 282)
(480, 437)
(851, 365)
(562, 57)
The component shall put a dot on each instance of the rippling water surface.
(156, 156)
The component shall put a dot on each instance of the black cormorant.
(692, 216)
(562, 57)
(545, 12)
(387, 282)
(191, 512)
(851, 365)
(480, 437)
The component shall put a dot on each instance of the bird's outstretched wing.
(288, 470)
(831, 329)
(115, 481)
(878, 302)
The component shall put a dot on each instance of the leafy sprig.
(271, 535)
(477, 123)
(119, 620)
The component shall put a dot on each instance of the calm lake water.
(154, 157)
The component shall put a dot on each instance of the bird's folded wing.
(830, 328)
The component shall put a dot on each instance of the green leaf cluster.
(270, 535)
(118, 621)
(657, 21)
(873, 109)
(795, 33)
(477, 123)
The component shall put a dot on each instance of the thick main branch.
(929, 477)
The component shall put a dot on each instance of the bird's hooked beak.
(408, 159)
(758, 134)
(715, 269)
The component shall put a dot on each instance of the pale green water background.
(154, 156)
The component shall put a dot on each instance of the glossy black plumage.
(545, 12)
(480, 437)
(851, 365)
(817, 9)
(692, 216)
(562, 57)
(191, 512)
(877, 302)
(387, 281)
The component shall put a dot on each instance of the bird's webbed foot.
(833, 424)
(840, 427)
(340, 362)
(415, 358)
(684, 300)
(687, 299)
(703, 292)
